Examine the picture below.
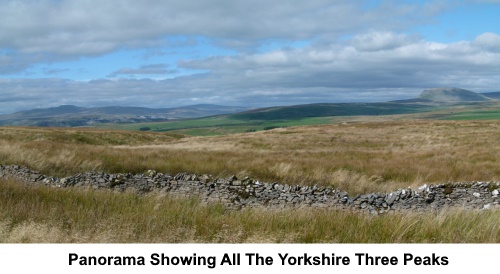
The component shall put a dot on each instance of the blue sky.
(164, 53)
(463, 22)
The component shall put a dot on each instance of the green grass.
(316, 114)
(177, 124)
(475, 115)
(302, 115)
(325, 110)
(220, 125)
(254, 126)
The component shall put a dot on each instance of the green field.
(475, 115)
(275, 117)
(326, 110)
(316, 114)
(220, 125)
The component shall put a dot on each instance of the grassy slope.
(323, 110)
(219, 125)
(256, 120)
(319, 114)
(475, 115)
(470, 111)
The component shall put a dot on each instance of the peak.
(447, 94)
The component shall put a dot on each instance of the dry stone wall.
(238, 193)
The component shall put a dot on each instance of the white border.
(54, 258)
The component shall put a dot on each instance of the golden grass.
(357, 157)
(31, 213)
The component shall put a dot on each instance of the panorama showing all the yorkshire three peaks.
(168, 54)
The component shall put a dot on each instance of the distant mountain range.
(426, 101)
(71, 116)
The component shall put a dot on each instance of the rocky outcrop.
(248, 193)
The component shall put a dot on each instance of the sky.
(259, 53)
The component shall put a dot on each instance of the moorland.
(355, 153)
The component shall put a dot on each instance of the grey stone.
(391, 198)
(286, 188)
(251, 193)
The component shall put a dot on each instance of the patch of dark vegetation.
(324, 110)
(273, 127)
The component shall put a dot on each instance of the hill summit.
(452, 95)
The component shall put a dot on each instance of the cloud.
(376, 41)
(48, 30)
(339, 72)
(154, 69)
(489, 41)
(357, 52)
(365, 61)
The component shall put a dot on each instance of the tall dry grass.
(357, 157)
(39, 214)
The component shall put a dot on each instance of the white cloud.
(356, 53)
(334, 73)
(409, 64)
(489, 41)
(58, 30)
(376, 41)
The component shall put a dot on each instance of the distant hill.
(492, 95)
(36, 113)
(427, 100)
(323, 110)
(449, 95)
(70, 116)
(414, 100)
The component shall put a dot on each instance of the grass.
(347, 152)
(318, 114)
(357, 157)
(178, 124)
(325, 110)
(219, 125)
(31, 213)
(475, 115)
